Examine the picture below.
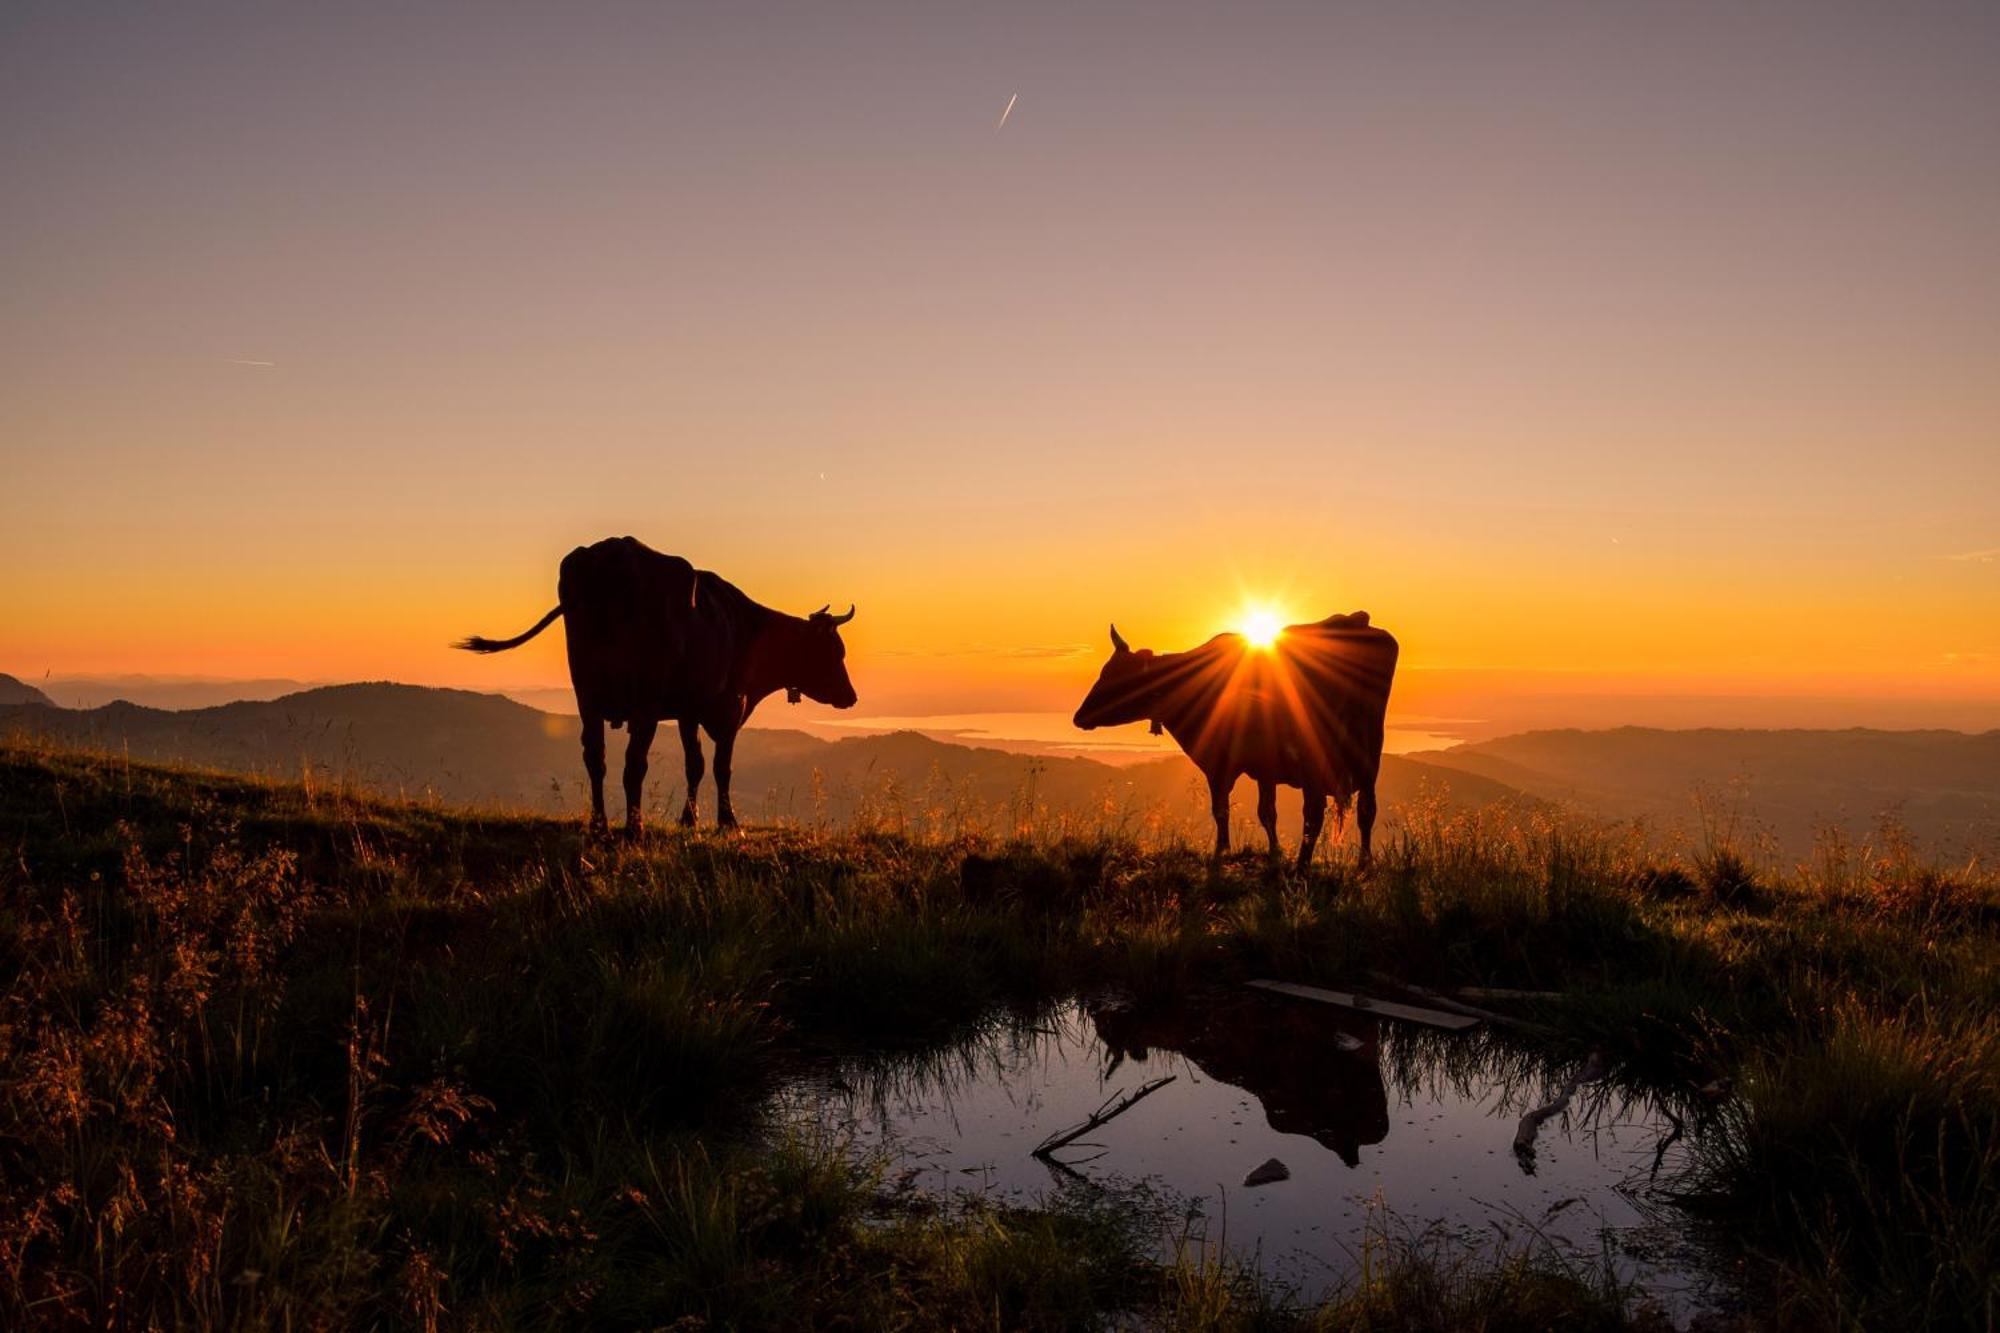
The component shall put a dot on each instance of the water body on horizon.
(1055, 733)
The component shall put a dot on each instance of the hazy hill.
(162, 691)
(182, 692)
(16, 691)
(469, 748)
(1944, 785)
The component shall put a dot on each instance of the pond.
(1385, 1130)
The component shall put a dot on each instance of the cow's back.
(1344, 668)
(631, 622)
(1309, 712)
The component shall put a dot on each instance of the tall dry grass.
(279, 1056)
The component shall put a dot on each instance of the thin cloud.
(1049, 650)
(1040, 650)
(1985, 557)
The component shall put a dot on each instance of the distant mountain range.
(467, 748)
(163, 691)
(1782, 787)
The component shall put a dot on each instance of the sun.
(1261, 626)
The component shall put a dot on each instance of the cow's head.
(1123, 692)
(818, 668)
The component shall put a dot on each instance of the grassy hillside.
(274, 1055)
(1784, 788)
(482, 749)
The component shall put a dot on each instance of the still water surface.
(1386, 1130)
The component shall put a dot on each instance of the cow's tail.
(475, 644)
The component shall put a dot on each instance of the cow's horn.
(842, 620)
(822, 611)
(1119, 643)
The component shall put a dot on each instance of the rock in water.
(1270, 1173)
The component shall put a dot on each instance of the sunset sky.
(1649, 348)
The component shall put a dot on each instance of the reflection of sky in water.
(1059, 731)
(1431, 1125)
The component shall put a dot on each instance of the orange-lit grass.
(275, 1053)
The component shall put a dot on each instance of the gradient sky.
(1634, 342)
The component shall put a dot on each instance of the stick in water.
(1592, 1070)
(1101, 1116)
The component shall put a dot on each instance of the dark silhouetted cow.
(1306, 712)
(651, 637)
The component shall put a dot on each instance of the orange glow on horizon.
(1104, 366)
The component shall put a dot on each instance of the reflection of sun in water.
(1261, 626)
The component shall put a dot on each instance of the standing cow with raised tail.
(1306, 712)
(651, 638)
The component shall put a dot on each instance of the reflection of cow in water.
(1306, 712)
(652, 637)
(1289, 1057)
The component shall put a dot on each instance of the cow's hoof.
(635, 832)
(727, 821)
(687, 819)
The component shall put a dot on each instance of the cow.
(1338, 1098)
(653, 638)
(1306, 712)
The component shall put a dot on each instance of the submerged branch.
(1101, 1116)
(1593, 1069)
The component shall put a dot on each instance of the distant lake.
(1054, 733)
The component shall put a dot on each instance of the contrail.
(1008, 112)
(239, 361)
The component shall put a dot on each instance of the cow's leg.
(1267, 812)
(725, 750)
(638, 740)
(691, 756)
(593, 765)
(1315, 820)
(1218, 805)
(1364, 819)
